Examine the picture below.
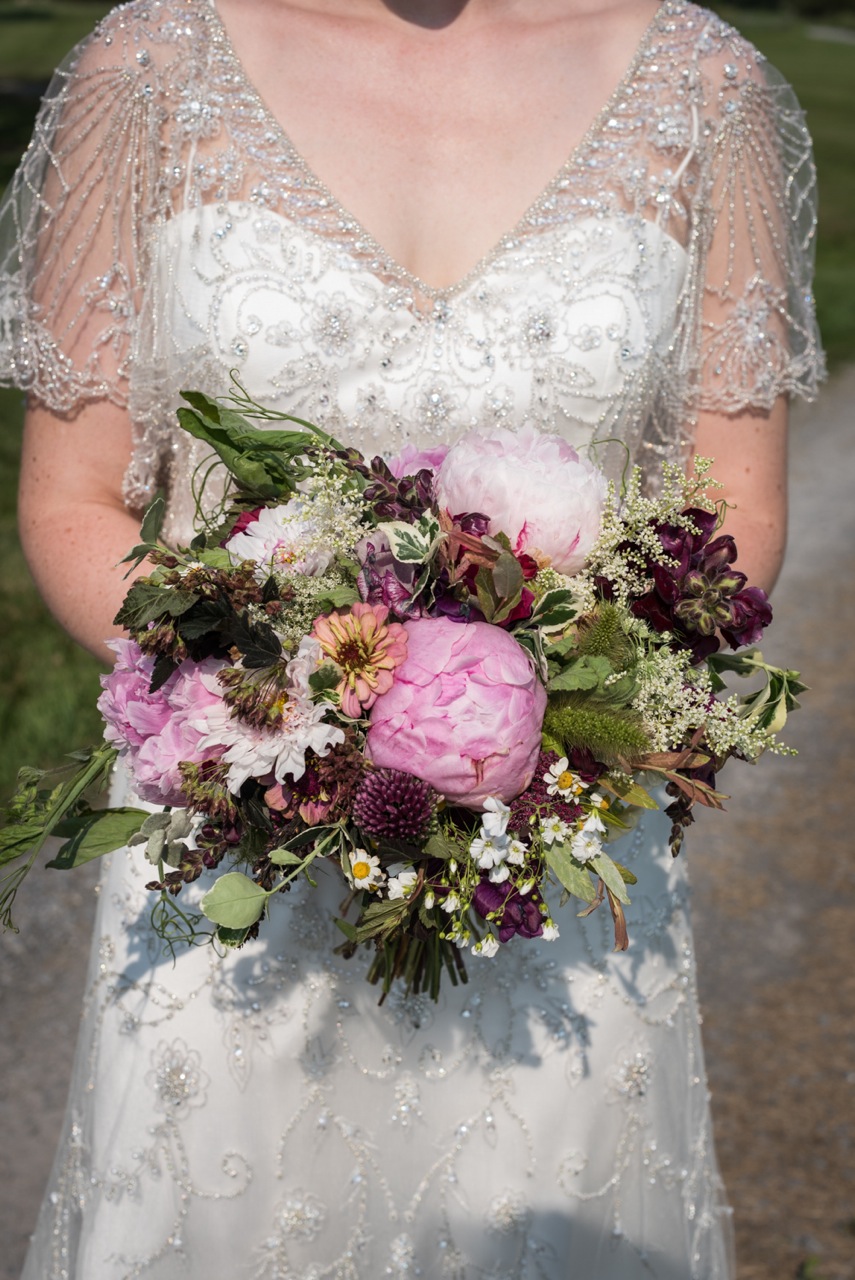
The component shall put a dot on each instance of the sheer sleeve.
(72, 229)
(758, 334)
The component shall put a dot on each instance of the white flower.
(430, 901)
(552, 829)
(283, 537)
(365, 869)
(494, 820)
(593, 822)
(499, 874)
(487, 851)
(584, 846)
(258, 752)
(550, 932)
(486, 947)
(561, 781)
(516, 853)
(402, 884)
(450, 903)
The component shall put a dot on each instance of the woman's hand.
(74, 526)
(750, 452)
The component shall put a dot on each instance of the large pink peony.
(533, 487)
(464, 712)
(156, 731)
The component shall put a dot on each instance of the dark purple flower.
(512, 911)
(702, 594)
(392, 805)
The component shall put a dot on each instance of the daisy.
(561, 781)
(365, 869)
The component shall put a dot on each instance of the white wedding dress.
(260, 1117)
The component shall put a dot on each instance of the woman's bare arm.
(750, 452)
(74, 526)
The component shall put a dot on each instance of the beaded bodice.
(178, 235)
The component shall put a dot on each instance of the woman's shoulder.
(144, 36)
(726, 66)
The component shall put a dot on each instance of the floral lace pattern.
(261, 1116)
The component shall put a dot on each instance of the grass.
(49, 686)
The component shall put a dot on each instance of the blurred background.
(772, 882)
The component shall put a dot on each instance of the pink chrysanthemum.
(366, 649)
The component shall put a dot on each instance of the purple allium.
(392, 805)
(512, 911)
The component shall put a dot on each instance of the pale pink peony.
(533, 487)
(130, 712)
(411, 460)
(464, 712)
(156, 731)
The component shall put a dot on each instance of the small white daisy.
(516, 853)
(562, 781)
(486, 947)
(402, 884)
(365, 869)
(552, 829)
(584, 846)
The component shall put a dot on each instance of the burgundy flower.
(392, 805)
(702, 593)
(519, 913)
(384, 580)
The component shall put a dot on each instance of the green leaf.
(629, 791)
(285, 858)
(234, 901)
(626, 875)
(324, 679)
(349, 930)
(91, 835)
(555, 608)
(584, 673)
(507, 576)
(570, 873)
(257, 642)
(231, 937)
(148, 600)
(610, 876)
(439, 846)
(412, 543)
(337, 598)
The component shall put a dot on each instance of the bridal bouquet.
(455, 674)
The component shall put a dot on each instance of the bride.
(398, 219)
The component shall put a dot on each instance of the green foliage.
(614, 737)
(234, 901)
(600, 634)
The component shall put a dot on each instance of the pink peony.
(464, 712)
(131, 713)
(411, 460)
(533, 487)
(156, 731)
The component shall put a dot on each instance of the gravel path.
(775, 934)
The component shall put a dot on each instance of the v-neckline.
(392, 267)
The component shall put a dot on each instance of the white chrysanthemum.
(287, 537)
(584, 846)
(253, 752)
(562, 781)
(552, 829)
(486, 946)
(365, 869)
(402, 884)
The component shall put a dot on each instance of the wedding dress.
(259, 1116)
